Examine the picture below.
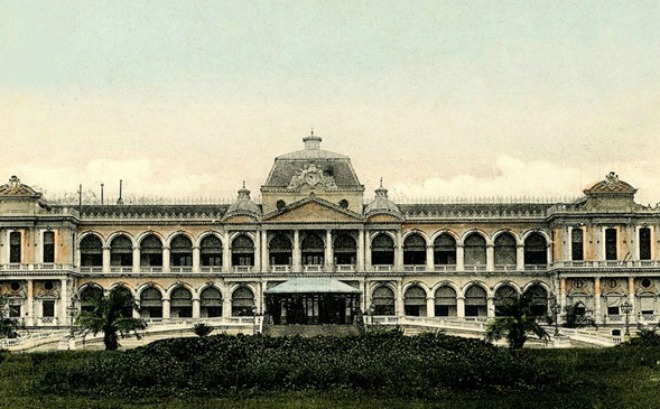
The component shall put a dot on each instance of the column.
(562, 294)
(398, 252)
(460, 306)
(520, 257)
(166, 259)
(329, 256)
(634, 242)
(631, 299)
(399, 310)
(598, 316)
(226, 252)
(367, 252)
(29, 321)
(567, 249)
(78, 257)
(64, 298)
(490, 306)
(430, 306)
(490, 257)
(359, 263)
(226, 305)
(166, 308)
(460, 257)
(549, 256)
(257, 251)
(136, 259)
(297, 257)
(196, 303)
(265, 261)
(106, 259)
(196, 259)
(430, 265)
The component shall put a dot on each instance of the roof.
(307, 285)
(612, 185)
(331, 164)
(153, 210)
(16, 188)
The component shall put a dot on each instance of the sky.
(441, 99)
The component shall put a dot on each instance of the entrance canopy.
(308, 285)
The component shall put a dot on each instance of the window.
(612, 310)
(505, 250)
(242, 251)
(414, 250)
(210, 251)
(151, 252)
(15, 247)
(536, 250)
(577, 244)
(279, 249)
(48, 308)
(475, 250)
(382, 250)
(49, 247)
(121, 252)
(383, 301)
(313, 250)
(242, 302)
(181, 303)
(504, 296)
(343, 204)
(444, 250)
(211, 302)
(281, 205)
(181, 252)
(89, 298)
(475, 302)
(644, 243)
(415, 302)
(151, 303)
(345, 249)
(538, 300)
(91, 252)
(610, 244)
(445, 302)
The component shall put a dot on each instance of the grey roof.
(243, 204)
(151, 210)
(308, 285)
(381, 204)
(466, 209)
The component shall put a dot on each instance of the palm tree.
(516, 322)
(112, 315)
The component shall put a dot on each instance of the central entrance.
(312, 301)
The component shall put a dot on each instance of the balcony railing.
(505, 267)
(35, 267)
(345, 268)
(414, 267)
(444, 267)
(280, 268)
(312, 268)
(91, 269)
(243, 269)
(536, 267)
(211, 269)
(181, 269)
(478, 267)
(606, 263)
(121, 269)
(382, 267)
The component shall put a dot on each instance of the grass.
(621, 378)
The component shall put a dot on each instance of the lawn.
(355, 372)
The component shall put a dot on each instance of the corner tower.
(312, 171)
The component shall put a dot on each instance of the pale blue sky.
(456, 94)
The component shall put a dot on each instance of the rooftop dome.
(381, 204)
(243, 205)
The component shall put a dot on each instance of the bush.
(389, 362)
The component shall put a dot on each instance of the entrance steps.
(310, 330)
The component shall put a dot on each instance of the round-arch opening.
(505, 297)
(242, 251)
(444, 250)
(313, 250)
(445, 302)
(121, 252)
(242, 302)
(415, 302)
(536, 249)
(475, 250)
(345, 250)
(151, 303)
(181, 251)
(280, 250)
(382, 300)
(505, 251)
(91, 251)
(537, 297)
(475, 302)
(181, 303)
(382, 250)
(210, 252)
(151, 252)
(211, 303)
(414, 250)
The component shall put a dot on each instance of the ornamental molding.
(311, 175)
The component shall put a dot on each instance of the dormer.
(610, 194)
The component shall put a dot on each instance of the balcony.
(383, 268)
(444, 268)
(181, 269)
(280, 268)
(47, 321)
(475, 267)
(243, 269)
(121, 269)
(345, 268)
(38, 267)
(91, 269)
(505, 267)
(607, 264)
(536, 267)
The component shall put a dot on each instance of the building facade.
(314, 252)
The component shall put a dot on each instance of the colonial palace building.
(315, 252)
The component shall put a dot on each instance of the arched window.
(505, 251)
(475, 302)
(126, 295)
(121, 252)
(445, 302)
(382, 250)
(90, 297)
(536, 249)
(537, 297)
(313, 249)
(279, 249)
(345, 249)
(444, 250)
(505, 295)
(181, 251)
(211, 303)
(242, 251)
(151, 303)
(91, 252)
(210, 251)
(151, 252)
(181, 303)
(414, 250)
(475, 250)
(383, 301)
(242, 302)
(415, 301)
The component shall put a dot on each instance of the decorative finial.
(312, 133)
(243, 184)
(381, 181)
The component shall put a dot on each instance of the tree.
(516, 322)
(112, 315)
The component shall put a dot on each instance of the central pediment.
(313, 210)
